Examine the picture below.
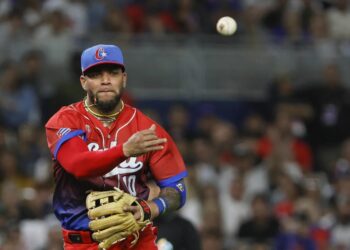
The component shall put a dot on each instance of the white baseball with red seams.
(226, 26)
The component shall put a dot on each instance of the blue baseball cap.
(101, 54)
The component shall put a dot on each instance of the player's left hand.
(134, 210)
(138, 211)
(109, 222)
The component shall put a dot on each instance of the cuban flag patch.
(63, 131)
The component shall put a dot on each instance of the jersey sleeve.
(167, 165)
(63, 126)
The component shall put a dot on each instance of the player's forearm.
(76, 159)
(172, 198)
(169, 199)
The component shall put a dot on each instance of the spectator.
(328, 126)
(10, 213)
(17, 99)
(206, 163)
(193, 208)
(254, 177)
(179, 123)
(10, 169)
(338, 19)
(54, 240)
(12, 239)
(296, 234)
(186, 16)
(32, 14)
(76, 11)
(53, 35)
(312, 204)
(211, 215)
(35, 74)
(115, 21)
(223, 136)
(274, 20)
(280, 142)
(14, 36)
(254, 127)
(341, 231)
(262, 227)
(234, 210)
(212, 240)
(341, 175)
(282, 98)
(286, 192)
(178, 231)
(28, 149)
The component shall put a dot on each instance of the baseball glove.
(109, 223)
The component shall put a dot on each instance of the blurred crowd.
(278, 179)
(48, 24)
(297, 20)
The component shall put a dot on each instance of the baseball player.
(101, 143)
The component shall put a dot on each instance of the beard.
(105, 106)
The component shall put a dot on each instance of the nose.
(105, 77)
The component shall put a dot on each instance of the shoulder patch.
(63, 131)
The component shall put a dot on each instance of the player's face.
(104, 85)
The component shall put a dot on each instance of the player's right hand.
(142, 142)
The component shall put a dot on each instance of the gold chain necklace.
(103, 116)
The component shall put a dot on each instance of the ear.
(83, 82)
(125, 77)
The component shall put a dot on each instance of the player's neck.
(95, 111)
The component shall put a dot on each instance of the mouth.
(105, 91)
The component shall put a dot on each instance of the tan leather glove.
(109, 223)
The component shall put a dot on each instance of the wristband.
(146, 210)
(161, 204)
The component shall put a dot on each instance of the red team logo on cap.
(100, 53)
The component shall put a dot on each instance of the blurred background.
(262, 118)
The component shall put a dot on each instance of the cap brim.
(101, 63)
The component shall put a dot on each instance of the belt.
(85, 237)
(77, 237)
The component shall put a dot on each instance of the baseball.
(226, 26)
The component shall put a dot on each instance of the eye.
(93, 74)
(114, 71)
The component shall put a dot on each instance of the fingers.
(155, 142)
(149, 137)
(155, 148)
(150, 131)
(153, 127)
(154, 145)
(134, 210)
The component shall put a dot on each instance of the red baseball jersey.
(165, 166)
